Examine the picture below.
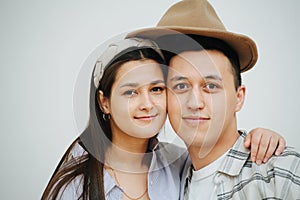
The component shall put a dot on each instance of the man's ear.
(104, 103)
(240, 97)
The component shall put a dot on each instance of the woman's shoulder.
(73, 156)
(172, 148)
(73, 189)
(172, 153)
(77, 150)
(74, 152)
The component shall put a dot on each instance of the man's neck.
(202, 156)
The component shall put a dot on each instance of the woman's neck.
(130, 144)
(127, 155)
(128, 169)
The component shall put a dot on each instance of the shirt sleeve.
(287, 174)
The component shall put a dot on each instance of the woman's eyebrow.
(129, 85)
(157, 82)
(137, 84)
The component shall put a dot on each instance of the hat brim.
(243, 45)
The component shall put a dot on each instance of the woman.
(118, 156)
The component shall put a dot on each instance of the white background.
(44, 44)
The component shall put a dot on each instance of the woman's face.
(138, 100)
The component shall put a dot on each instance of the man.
(205, 93)
(206, 84)
(199, 17)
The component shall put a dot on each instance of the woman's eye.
(130, 92)
(158, 89)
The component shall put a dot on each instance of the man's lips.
(195, 119)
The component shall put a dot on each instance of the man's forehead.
(204, 61)
(193, 62)
(195, 58)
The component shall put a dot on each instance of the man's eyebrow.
(137, 84)
(178, 78)
(214, 77)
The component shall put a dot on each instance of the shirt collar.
(110, 184)
(236, 158)
(234, 161)
(153, 144)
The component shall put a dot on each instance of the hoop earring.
(106, 117)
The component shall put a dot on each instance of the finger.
(255, 140)
(273, 143)
(262, 149)
(247, 141)
(281, 146)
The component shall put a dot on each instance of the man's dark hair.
(172, 45)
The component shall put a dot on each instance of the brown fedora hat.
(199, 17)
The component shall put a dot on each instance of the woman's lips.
(146, 117)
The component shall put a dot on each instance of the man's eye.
(180, 86)
(211, 86)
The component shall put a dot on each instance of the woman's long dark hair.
(96, 138)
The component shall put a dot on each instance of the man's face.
(202, 99)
